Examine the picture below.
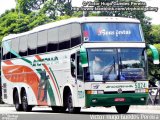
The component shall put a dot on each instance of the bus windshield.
(112, 32)
(116, 64)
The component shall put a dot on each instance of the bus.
(77, 63)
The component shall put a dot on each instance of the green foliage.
(78, 14)
(51, 8)
(11, 22)
(37, 19)
(155, 33)
(27, 6)
(154, 70)
(63, 17)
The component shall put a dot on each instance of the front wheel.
(70, 107)
(25, 105)
(122, 109)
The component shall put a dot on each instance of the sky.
(8, 4)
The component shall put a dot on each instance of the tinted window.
(52, 39)
(73, 65)
(4, 51)
(15, 47)
(79, 68)
(32, 44)
(23, 46)
(1, 51)
(132, 62)
(112, 32)
(42, 42)
(64, 37)
(75, 34)
(7, 49)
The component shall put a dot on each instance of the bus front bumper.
(116, 99)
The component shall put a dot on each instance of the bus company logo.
(104, 32)
(119, 90)
(100, 31)
(49, 60)
(86, 35)
(117, 33)
(96, 86)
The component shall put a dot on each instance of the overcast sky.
(8, 4)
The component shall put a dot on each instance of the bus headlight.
(94, 91)
(100, 92)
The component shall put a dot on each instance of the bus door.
(80, 80)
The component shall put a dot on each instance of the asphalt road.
(99, 113)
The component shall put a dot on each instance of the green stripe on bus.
(26, 60)
(56, 81)
(18, 56)
(109, 99)
(51, 94)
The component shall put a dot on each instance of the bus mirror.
(83, 57)
(155, 54)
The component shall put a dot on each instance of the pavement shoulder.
(6, 105)
(152, 107)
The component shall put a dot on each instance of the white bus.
(77, 63)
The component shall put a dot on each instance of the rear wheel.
(25, 105)
(122, 109)
(70, 107)
(18, 106)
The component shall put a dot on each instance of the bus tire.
(58, 109)
(122, 109)
(18, 106)
(25, 105)
(70, 107)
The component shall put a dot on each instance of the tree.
(155, 33)
(27, 6)
(11, 22)
(154, 70)
(51, 8)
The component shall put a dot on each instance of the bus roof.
(72, 20)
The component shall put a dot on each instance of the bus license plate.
(119, 99)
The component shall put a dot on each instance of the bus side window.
(42, 41)
(15, 47)
(52, 39)
(64, 37)
(73, 65)
(75, 34)
(32, 44)
(4, 51)
(79, 68)
(23, 46)
(8, 54)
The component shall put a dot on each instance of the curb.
(6, 105)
